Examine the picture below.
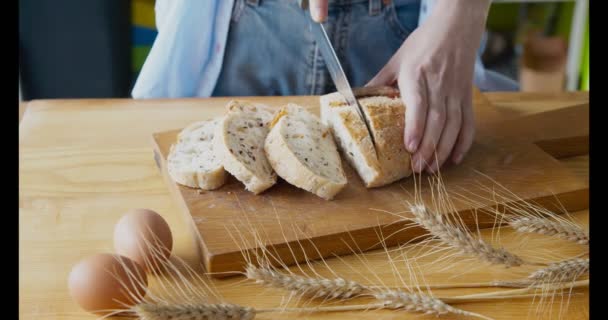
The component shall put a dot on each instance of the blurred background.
(95, 48)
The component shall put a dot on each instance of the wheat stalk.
(336, 288)
(149, 311)
(460, 239)
(418, 302)
(342, 289)
(568, 270)
(184, 302)
(514, 292)
(184, 295)
(570, 232)
(234, 312)
(388, 298)
(529, 217)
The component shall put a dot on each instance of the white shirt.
(187, 54)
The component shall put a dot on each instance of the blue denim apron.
(270, 50)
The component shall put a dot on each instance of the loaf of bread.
(302, 151)
(192, 161)
(239, 142)
(385, 112)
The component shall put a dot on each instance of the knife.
(337, 73)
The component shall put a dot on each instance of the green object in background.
(585, 61)
(503, 17)
(564, 24)
(144, 32)
(139, 55)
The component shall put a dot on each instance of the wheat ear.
(233, 312)
(339, 288)
(336, 288)
(460, 239)
(418, 302)
(570, 232)
(148, 311)
(564, 271)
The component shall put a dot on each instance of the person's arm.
(434, 69)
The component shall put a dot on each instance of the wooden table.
(83, 163)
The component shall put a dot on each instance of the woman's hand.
(434, 69)
(318, 10)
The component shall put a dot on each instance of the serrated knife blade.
(337, 73)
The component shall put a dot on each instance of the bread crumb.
(277, 117)
(337, 103)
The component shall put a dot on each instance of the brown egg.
(101, 282)
(144, 236)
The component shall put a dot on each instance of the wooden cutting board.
(297, 224)
(561, 133)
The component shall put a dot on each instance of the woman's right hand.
(318, 10)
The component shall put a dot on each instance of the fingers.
(467, 131)
(435, 122)
(318, 10)
(412, 85)
(448, 136)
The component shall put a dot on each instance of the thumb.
(318, 10)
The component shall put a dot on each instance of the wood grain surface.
(561, 133)
(83, 163)
(527, 103)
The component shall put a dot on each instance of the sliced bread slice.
(239, 141)
(386, 115)
(352, 138)
(192, 161)
(387, 120)
(302, 151)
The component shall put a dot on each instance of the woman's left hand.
(434, 70)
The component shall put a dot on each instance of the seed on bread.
(243, 130)
(192, 161)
